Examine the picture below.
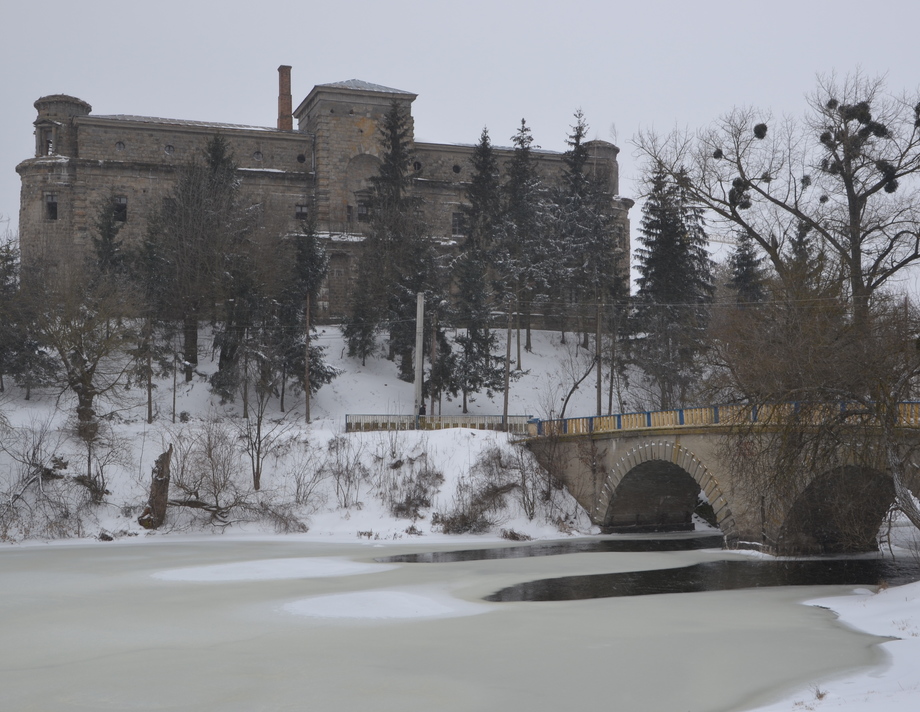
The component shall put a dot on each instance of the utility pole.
(419, 356)
(597, 355)
(306, 372)
(507, 367)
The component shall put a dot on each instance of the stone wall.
(324, 168)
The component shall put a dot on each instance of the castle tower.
(47, 205)
(345, 118)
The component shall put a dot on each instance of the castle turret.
(55, 134)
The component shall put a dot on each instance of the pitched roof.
(361, 85)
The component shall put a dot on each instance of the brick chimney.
(285, 120)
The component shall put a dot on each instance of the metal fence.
(361, 423)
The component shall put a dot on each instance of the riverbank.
(892, 686)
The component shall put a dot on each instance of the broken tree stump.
(154, 513)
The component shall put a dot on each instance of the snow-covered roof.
(361, 85)
(180, 122)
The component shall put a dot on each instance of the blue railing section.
(513, 424)
(908, 416)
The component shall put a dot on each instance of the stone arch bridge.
(647, 472)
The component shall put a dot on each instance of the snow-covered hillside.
(312, 476)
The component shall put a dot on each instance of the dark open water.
(721, 575)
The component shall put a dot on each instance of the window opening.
(456, 224)
(301, 212)
(120, 209)
(47, 142)
(51, 206)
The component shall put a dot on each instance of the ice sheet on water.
(273, 570)
(385, 604)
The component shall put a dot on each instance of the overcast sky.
(627, 65)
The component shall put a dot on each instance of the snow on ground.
(893, 612)
(333, 508)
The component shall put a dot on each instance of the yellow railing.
(771, 414)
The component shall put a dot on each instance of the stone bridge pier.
(655, 480)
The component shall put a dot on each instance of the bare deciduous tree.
(847, 173)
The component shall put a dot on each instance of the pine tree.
(397, 259)
(298, 303)
(109, 250)
(476, 367)
(482, 211)
(585, 263)
(193, 238)
(747, 272)
(675, 290)
(520, 252)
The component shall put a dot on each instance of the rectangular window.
(120, 209)
(301, 212)
(456, 224)
(364, 213)
(51, 206)
(349, 213)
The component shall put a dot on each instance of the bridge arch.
(839, 512)
(678, 458)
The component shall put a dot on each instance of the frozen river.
(288, 624)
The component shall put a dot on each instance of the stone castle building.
(319, 168)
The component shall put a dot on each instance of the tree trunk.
(154, 513)
(283, 384)
(528, 342)
(517, 320)
(190, 346)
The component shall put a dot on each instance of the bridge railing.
(770, 414)
(361, 423)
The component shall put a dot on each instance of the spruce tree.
(521, 252)
(297, 305)
(477, 368)
(482, 210)
(585, 264)
(109, 250)
(397, 258)
(675, 290)
(191, 238)
(747, 272)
